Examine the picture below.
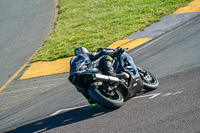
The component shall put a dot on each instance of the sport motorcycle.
(109, 91)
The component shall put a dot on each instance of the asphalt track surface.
(174, 107)
(24, 25)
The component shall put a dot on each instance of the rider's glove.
(100, 49)
(119, 50)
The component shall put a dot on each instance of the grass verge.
(99, 23)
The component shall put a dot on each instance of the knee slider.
(108, 58)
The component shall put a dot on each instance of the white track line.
(68, 109)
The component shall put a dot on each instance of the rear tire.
(97, 95)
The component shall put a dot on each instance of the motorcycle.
(109, 91)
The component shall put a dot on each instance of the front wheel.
(149, 80)
(110, 100)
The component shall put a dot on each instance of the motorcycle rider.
(101, 60)
(83, 60)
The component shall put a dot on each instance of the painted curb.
(59, 66)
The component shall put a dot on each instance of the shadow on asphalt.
(59, 120)
(65, 118)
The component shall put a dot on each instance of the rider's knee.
(107, 58)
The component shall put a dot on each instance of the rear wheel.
(112, 99)
(149, 80)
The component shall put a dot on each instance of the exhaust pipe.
(110, 79)
(105, 78)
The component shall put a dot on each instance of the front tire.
(111, 102)
(149, 80)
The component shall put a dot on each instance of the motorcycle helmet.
(80, 50)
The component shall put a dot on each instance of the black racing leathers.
(100, 61)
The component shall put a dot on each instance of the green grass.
(99, 23)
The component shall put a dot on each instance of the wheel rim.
(149, 79)
(111, 95)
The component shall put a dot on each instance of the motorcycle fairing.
(129, 66)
